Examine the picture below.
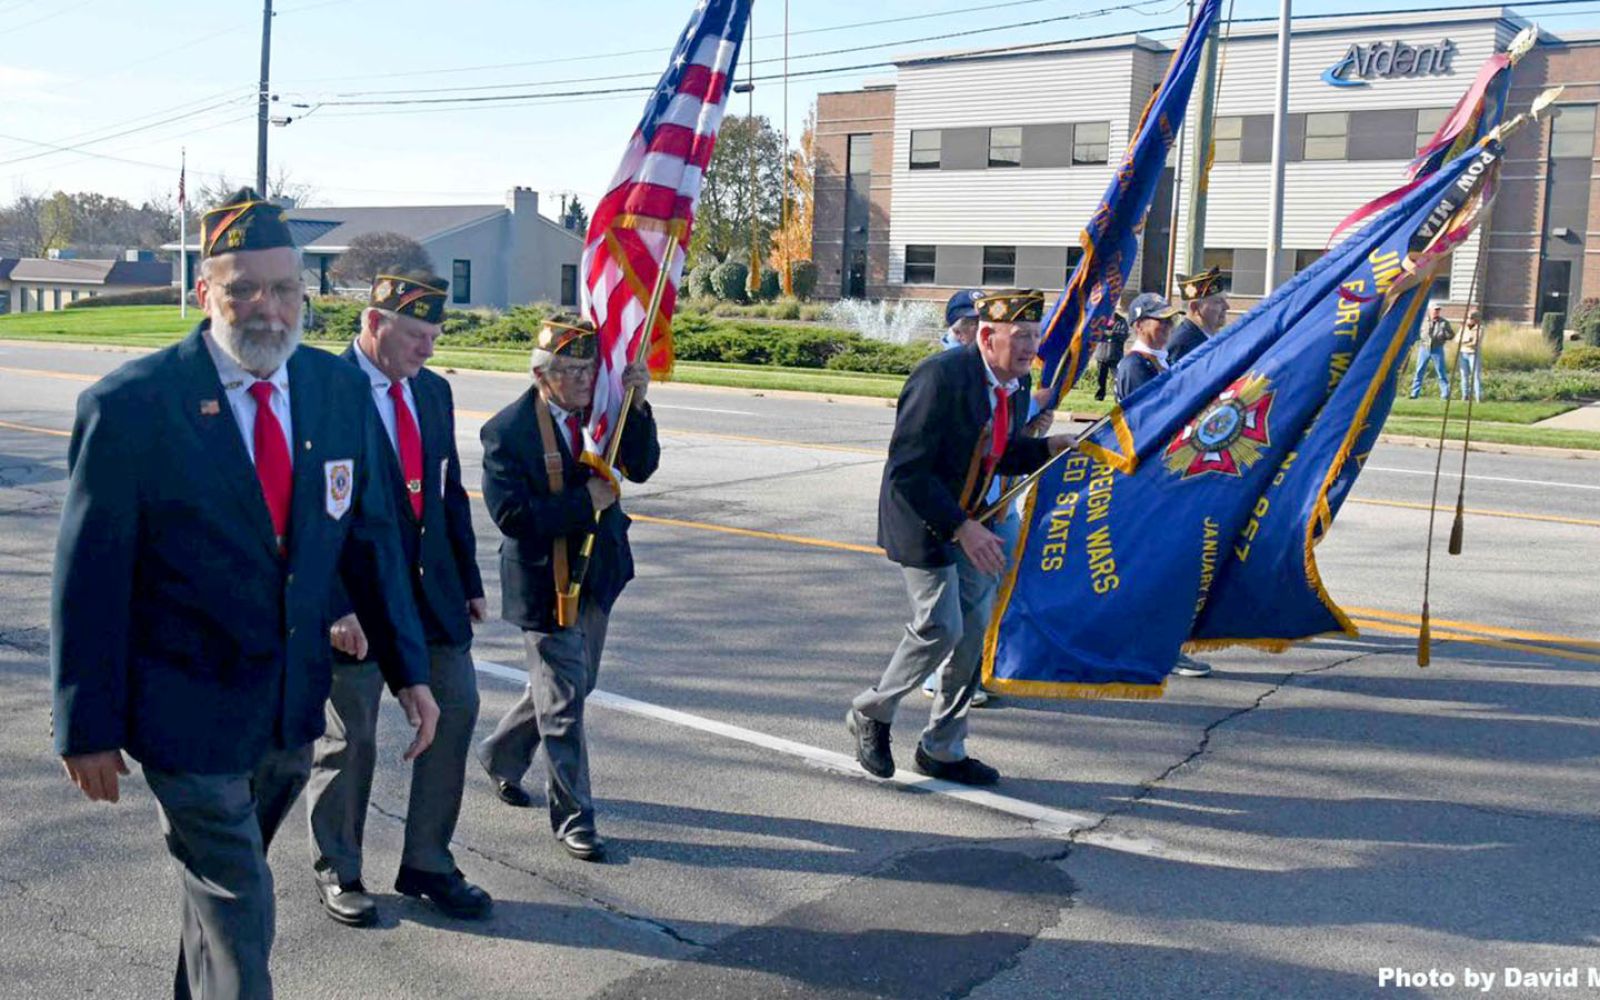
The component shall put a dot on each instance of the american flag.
(642, 224)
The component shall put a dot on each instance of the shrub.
(803, 278)
(144, 297)
(1587, 322)
(771, 285)
(881, 358)
(700, 279)
(1554, 325)
(1582, 358)
(336, 318)
(729, 281)
(786, 309)
(1532, 387)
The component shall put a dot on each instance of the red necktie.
(575, 434)
(1002, 425)
(272, 461)
(409, 444)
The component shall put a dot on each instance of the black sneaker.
(872, 744)
(966, 771)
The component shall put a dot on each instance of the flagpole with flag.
(183, 237)
(1110, 241)
(639, 234)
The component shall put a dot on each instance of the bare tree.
(371, 254)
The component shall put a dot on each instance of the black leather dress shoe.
(348, 903)
(872, 744)
(966, 771)
(585, 845)
(451, 893)
(512, 794)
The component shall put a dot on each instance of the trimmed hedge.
(803, 275)
(144, 297)
(1580, 357)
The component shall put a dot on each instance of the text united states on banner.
(642, 224)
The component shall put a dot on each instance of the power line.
(54, 148)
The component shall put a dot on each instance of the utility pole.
(1200, 158)
(1280, 135)
(262, 98)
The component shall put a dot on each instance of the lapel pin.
(308, 446)
(210, 408)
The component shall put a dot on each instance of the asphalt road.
(1292, 826)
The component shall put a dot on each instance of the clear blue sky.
(73, 71)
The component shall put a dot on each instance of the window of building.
(926, 147)
(999, 265)
(569, 284)
(920, 264)
(461, 282)
(1440, 292)
(75, 294)
(55, 298)
(1228, 139)
(1572, 133)
(1326, 134)
(1428, 122)
(1223, 259)
(860, 154)
(1005, 146)
(1305, 258)
(1091, 142)
(1074, 255)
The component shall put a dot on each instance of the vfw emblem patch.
(339, 482)
(1229, 436)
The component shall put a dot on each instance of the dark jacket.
(440, 549)
(1436, 333)
(517, 493)
(1109, 337)
(1186, 336)
(179, 633)
(1133, 371)
(943, 418)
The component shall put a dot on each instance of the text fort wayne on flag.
(642, 223)
(1192, 513)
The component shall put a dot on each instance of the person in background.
(1435, 333)
(960, 319)
(1110, 337)
(1471, 370)
(1206, 312)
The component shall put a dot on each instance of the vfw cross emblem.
(1229, 436)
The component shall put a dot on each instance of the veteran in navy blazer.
(423, 472)
(217, 489)
(544, 501)
(959, 424)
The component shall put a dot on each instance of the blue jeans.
(1471, 375)
(1434, 356)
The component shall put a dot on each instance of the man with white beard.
(217, 488)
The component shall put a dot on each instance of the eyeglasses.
(571, 371)
(249, 291)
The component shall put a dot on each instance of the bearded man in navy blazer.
(217, 489)
(423, 470)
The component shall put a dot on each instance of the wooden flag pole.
(567, 603)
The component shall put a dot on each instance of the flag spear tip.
(1521, 45)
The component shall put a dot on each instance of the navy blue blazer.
(440, 548)
(943, 417)
(1133, 371)
(1186, 336)
(179, 633)
(531, 517)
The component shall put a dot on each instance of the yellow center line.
(35, 430)
(1443, 509)
(1504, 633)
(1442, 635)
(748, 439)
(46, 373)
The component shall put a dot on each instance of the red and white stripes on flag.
(643, 222)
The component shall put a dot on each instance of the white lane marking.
(1047, 821)
(1489, 479)
(703, 409)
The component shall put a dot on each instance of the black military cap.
(245, 221)
(411, 293)
(1198, 286)
(567, 336)
(1011, 305)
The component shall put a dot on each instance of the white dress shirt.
(236, 383)
(566, 435)
(384, 402)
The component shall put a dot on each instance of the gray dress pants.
(950, 608)
(341, 771)
(217, 828)
(563, 667)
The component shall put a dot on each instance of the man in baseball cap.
(1150, 319)
(961, 319)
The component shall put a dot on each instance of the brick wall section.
(840, 115)
(1511, 279)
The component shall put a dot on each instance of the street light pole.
(1280, 134)
(261, 99)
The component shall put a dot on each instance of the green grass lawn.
(157, 326)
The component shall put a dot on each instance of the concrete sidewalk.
(1584, 418)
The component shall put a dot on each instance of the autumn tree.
(791, 242)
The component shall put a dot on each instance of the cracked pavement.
(1310, 818)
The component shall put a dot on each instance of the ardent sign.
(1388, 60)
